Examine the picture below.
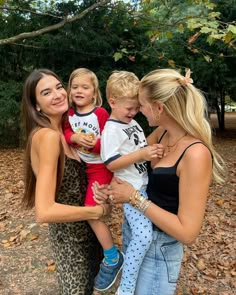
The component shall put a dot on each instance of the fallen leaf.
(12, 239)
(24, 233)
(51, 268)
(219, 202)
(50, 262)
(34, 237)
(4, 241)
(201, 265)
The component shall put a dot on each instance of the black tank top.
(163, 185)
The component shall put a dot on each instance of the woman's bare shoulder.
(198, 153)
(45, 137)
(45, 133)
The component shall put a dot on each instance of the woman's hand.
(120, 191)
(101, 193)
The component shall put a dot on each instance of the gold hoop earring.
(158, 117)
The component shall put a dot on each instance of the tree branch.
(53, 27)
(28, 11)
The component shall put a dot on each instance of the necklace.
(170, 146)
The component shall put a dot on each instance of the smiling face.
(51, 96)
(82, 93)
(124, 110)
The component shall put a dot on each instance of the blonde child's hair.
(186, 105)
(122, 85)
(82, 72)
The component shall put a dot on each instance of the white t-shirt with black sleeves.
(120, 139)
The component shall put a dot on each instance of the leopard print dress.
(75, 247)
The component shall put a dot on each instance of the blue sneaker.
(107, 274)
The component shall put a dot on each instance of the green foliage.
(90, 42)
(10, 97)
(163, 20)
(147, 35)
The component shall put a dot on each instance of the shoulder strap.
(162, 136)
(181, 156)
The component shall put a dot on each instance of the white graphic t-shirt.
(120, 139)
(90, 123)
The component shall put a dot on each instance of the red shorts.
(99, 173)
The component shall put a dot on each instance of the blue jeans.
(139, 241)
(160, 269)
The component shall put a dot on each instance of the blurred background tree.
(108, 35)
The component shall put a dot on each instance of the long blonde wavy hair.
(187, 106)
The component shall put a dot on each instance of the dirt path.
(26, 264)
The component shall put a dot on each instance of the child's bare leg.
(102, 233)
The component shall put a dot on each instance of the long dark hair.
(32, 120)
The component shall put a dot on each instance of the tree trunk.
(220, 110)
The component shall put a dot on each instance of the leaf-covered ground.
(26, 264)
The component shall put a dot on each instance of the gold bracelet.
(131, 197)
(138, 198)
(139, 202)
(145, 205)
(103, 210)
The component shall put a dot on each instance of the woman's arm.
(144, 154)
(44, 155)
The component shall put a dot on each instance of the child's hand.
(91, 139)
(160, 150)
(152, 152)
(87, 141)
(149, 152)
(101, 193)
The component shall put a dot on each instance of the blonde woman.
(178, 182)
(125, 152)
